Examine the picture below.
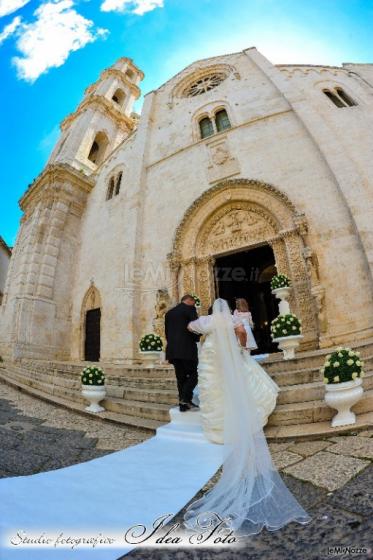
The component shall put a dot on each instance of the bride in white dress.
(259, 384)
(250, 494)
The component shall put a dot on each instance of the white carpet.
(109, 494)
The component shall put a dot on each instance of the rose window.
(202, 85)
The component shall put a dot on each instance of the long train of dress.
(259, 383)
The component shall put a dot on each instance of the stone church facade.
(232, 155)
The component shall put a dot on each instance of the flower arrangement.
(285, 325)
(196, 299)
(92, 376)
(342, 365)
(151, 343)
(280, 281)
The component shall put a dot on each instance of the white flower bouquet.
(92, 376)
(151, 343)
(285, 325)
(342, 365)
(280, 281)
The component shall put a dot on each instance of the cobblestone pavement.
(331, 477)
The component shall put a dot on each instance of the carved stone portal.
(163, 304)
(237, 215)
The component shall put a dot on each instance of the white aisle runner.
(109, 494)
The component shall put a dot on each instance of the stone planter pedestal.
(342, 396)
(150, 358)
(94, 394)
(283, 294)
(288, 344)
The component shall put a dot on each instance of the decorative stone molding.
(235, 215)
(163, 304)
(49, 185)
(106, 107)
(221, 162)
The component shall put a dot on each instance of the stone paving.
(331, 477)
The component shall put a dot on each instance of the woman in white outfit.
(242, 312)
(258, 383)
(250, 493)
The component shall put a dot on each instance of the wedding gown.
(258, 383)
(250, 494)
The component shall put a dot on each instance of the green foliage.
(197, 300)
(92, 375)
(342, 365)
(280, 281)
(151, 343)
(285, 325)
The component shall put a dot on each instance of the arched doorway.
(247, 274)
(91, 326)
(238, 216)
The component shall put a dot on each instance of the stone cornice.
(5, 246)
(123, 78)
(52, 174)
(105, 106)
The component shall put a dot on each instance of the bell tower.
(102, 120)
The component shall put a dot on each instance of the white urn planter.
(283, 294)
(342, 396)
(94, 394)
(288, 344)
(151, 358)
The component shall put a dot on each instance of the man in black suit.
(181, 350)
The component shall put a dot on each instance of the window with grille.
(222, 120)
(206, 127)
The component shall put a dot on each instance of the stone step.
(306, 375)
(154, 411)
(313, 411)
(311, 359)
(165, 396)
(305, 392)
(301, 431)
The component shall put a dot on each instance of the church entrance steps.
(127, 420)
(142, 396)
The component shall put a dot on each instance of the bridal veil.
(250, 493)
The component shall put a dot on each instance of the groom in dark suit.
(181, 350)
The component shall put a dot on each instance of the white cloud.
(10, 29)
(139, 7)
(47, 42)
(9, 6)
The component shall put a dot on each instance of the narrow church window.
(110, 190)
(222, 120)
(206, 127)
(130, 74)
(119, 96)
(333, 98)
(346, 98)
(93, 152)
(118, 182)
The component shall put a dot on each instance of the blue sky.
(50, 50)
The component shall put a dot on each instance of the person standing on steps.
(181, 349)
